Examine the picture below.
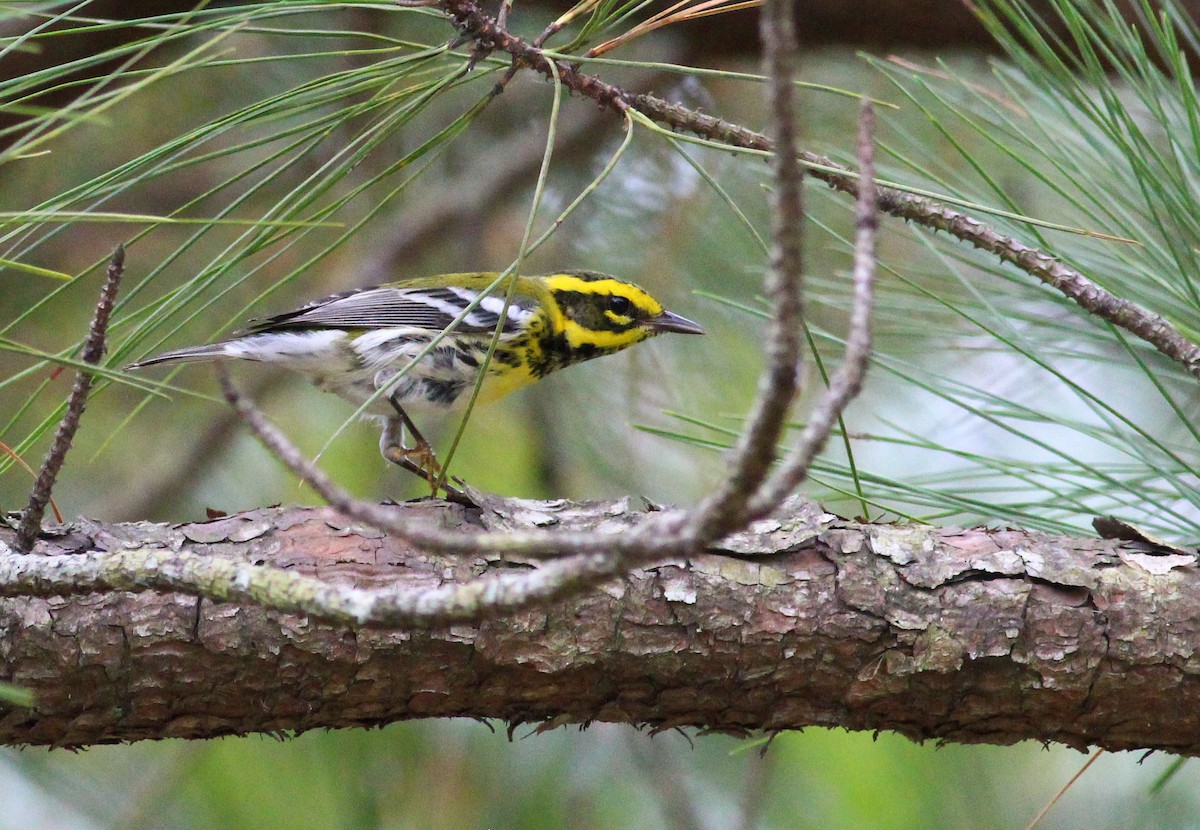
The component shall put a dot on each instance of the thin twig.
(593, 559)
(847, 381)
(724, 510)
(93, 351)
(556, 26)
(1128, 315)
(1042, 814)
(502, 15)
(655, 538)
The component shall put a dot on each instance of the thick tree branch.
(965, 635)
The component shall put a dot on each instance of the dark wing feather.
(432, 309)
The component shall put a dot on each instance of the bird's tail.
(214, 351)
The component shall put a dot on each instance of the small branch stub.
(93, 352)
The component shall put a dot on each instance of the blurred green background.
(990, 399)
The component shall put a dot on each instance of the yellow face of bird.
(599, 314)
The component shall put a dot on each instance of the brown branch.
(725, 509)
(93, 351)
(1128, 315)
(965, 635)
(848, 380)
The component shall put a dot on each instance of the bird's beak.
(667, 321)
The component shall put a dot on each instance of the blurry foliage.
(991, 399)
(455, 775)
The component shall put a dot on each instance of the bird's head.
(600, 314)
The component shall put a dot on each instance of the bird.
(420, 344)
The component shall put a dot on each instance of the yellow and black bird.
(378, 344)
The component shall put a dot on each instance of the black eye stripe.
(589, 310)
(576, 299)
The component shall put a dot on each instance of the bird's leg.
(422, 451)
(419, 459)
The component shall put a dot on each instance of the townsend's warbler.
(359, 342)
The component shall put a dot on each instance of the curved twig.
(726, 509)
(848, 380)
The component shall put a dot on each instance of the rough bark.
(970, 635)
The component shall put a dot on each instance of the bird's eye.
(620, 305)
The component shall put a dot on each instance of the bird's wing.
(432, 309)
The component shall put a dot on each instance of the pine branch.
(1145, 324)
